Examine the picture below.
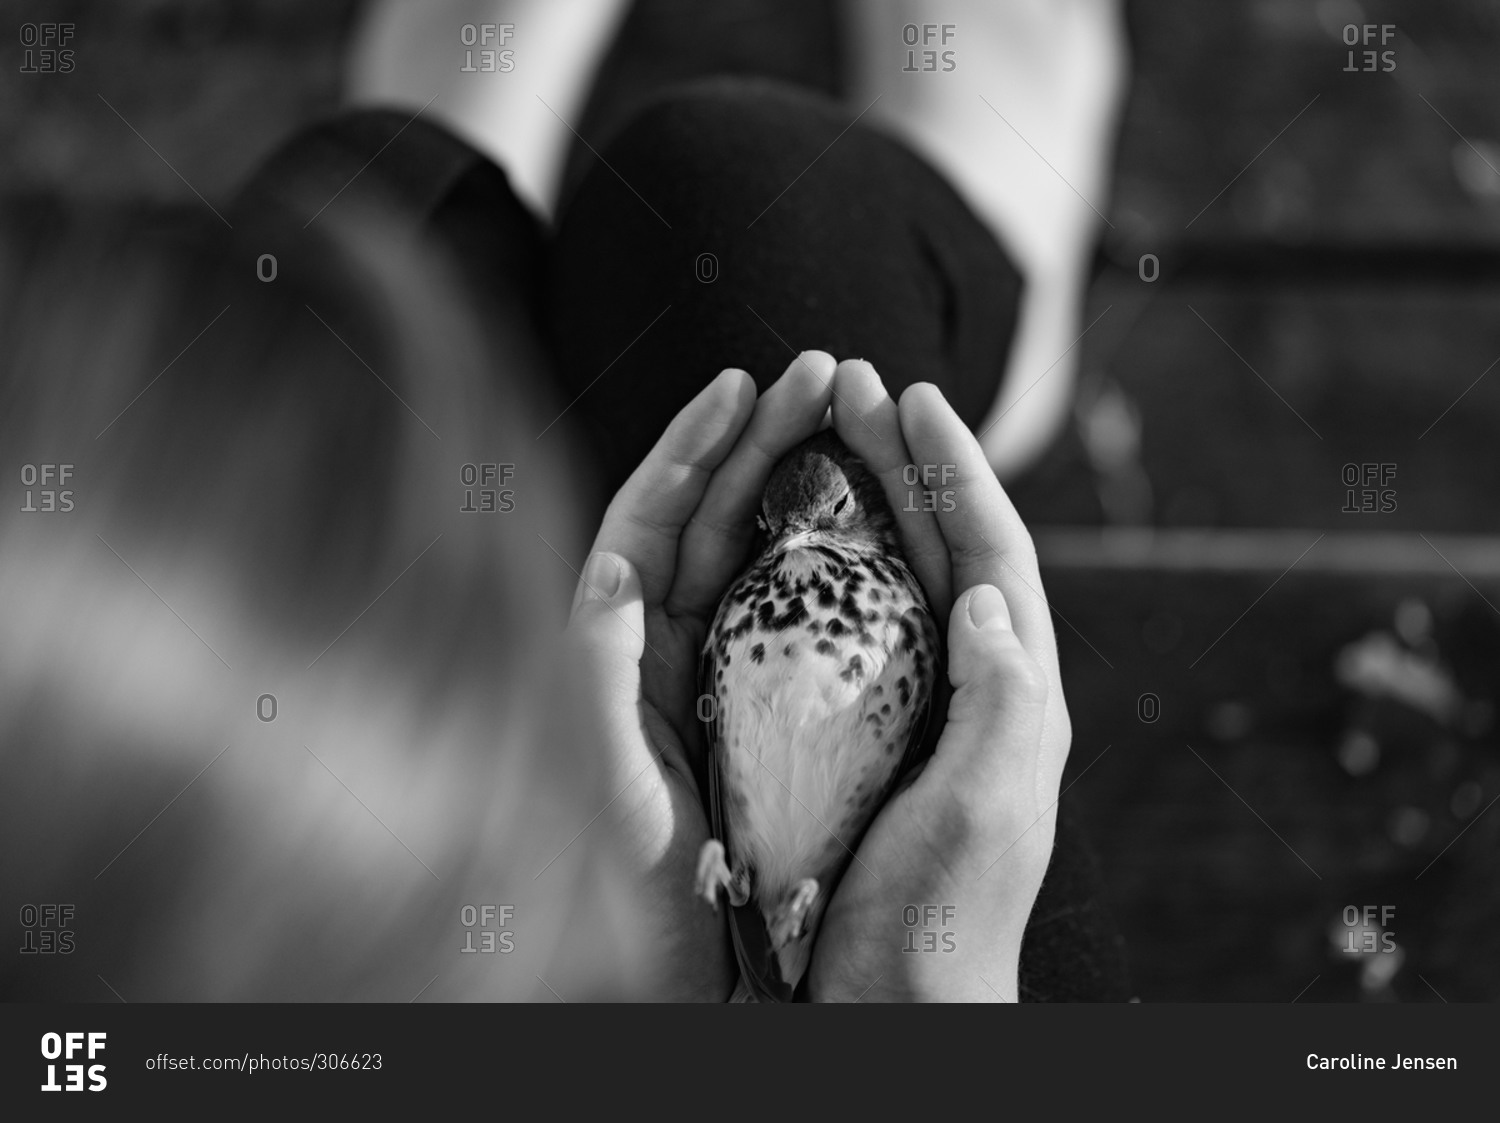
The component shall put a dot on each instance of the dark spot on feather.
(850, 610)
(815, 627)
(789, 650)
(827, 598)
(903, 690)
(874, 595)
(758, 653)
(836, 628)
(908, 634)
(879, 690)
(886, 709)
(826, 647)
(854, 669)
(795, 613)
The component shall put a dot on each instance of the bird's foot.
(791, 918)
(714, 874)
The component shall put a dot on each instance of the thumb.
(992, 741)
(604, 641)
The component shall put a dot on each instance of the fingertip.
(984, 652)
(986, 609)
(704, 432)
(858, 386)
(607, 578)
(857, 368)
(919, 392)
(733, 390)
(819, 364)
(744, 391)
(979, 630)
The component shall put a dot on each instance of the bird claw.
(714, 874)
(791, 920)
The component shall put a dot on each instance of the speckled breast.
(823, 658)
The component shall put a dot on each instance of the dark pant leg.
(417, 177)
(737, 222)
(417, 181)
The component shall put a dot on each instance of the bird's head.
(820, 486)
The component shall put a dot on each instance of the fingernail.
(987, 608)
(601, 577)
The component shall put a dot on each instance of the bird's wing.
(925, 731)
(759, 968)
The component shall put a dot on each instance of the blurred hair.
(266, 488)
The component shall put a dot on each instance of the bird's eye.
(839, 506)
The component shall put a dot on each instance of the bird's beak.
(795, 541)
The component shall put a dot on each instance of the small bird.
(820, 664)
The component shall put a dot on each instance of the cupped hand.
(935, 905)
(674, 537)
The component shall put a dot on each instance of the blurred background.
(1270, 533)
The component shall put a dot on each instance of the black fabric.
(416, 175)
(824, 234)
(666, 43)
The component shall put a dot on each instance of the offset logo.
(67, 1046)
(928, 498)
(43, 43)
(1368, 489)
(493, 922)
(494, 496)
(491, 60)
(52, 496)
(47, 929)
(929, 59)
